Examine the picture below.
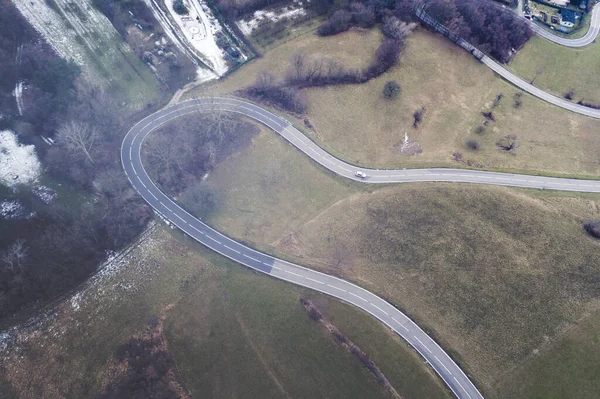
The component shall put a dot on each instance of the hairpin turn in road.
(438, 359)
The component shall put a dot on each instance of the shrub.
(593, 228)
(201, 198)
(418, 117)
(569, 95)
(337, 23)
(472, 144)
(179, 7)
(480, 129)
(391, 89)
(489, 116)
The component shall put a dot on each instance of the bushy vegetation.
(136, 22)
(317, 72)
(391, 90)
(25, 58)
(182, 152)
(593, 228)
(491, 28)
(97, 212)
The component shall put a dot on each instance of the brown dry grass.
(355, 123)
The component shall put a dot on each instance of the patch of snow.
(259, 17)
(46, 194)
(13, 210)
(18, 93)
(75, 29)
(19, 164)
(194, 33)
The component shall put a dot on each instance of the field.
(78, 31)
(560, 69)
(230, 330)
(572, 358)
(355, 123)
(494, 273)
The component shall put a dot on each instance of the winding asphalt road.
(438, 359)
(588, 38)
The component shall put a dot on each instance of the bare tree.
(298, 64)
(15, 256)
(78, 138)
(340, 256)
(538, 72)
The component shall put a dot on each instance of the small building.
(568, 18)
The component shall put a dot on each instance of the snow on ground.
(73, 29)
(13, 210)
(18, 93)
(199, 29)
(260, 17)
(19, 164)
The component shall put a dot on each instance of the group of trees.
(174, 67)
(43, 256)
(179, 165)
(312, 72)
(488, 26)
(49, 79)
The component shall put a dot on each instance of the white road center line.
(400, 324)
(231, 249)
(312, 279)
(337, 288)
(460, 385)
(375, 306)
(443, 365)
(359, 297)
(424, 346)
(209, 237)
(295, 274)
(250, 257)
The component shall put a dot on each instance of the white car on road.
(360, 174)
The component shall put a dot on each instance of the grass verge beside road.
(494, 273)
(355, 123)
(232, 331)
(560, 69)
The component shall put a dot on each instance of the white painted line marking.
(312, 279)
(400, 324)
(463, 388)
(231, 249)
(273, 266)
(250, 257)
(182, 219)
(153, 195)
(424, 346)
(197, 229)
(440, 362)
(337, 288)
(375, 306)
(209, 237)
(295, 274)
(359, 297)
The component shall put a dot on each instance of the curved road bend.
(588, 38)
(438, 359)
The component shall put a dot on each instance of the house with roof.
(568, 18)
